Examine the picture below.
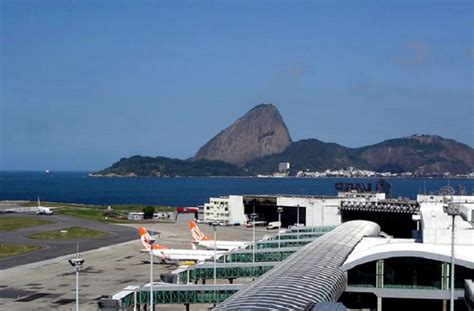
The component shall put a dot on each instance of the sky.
(85, 83)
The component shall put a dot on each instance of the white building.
(315, 210)
(436, 224)
(284, 167)
(217, 210)
(133, 216)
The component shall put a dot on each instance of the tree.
(148, 212)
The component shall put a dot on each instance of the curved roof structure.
(309, 276)
(372, 249)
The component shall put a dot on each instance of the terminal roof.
(309, 276)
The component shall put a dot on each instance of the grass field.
(7, 250)
(13, 223)
(86, 213)
(72, 233)
(116, 214)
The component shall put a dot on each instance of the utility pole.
(214, 225)
(298, 221)
(452, 211)
(151, 242)
(77, 263)
(279, 210)
(253, 216)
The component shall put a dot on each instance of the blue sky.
(84, 83)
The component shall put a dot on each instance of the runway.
(56, 248)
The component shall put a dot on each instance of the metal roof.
(309, 276)
(390, 206)
(371, 249)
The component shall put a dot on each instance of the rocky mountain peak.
(260, 132)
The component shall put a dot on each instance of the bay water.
(78, 187)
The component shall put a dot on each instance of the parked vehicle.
(273, 225)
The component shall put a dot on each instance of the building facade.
(217, 210)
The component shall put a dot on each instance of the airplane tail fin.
(146, 238)
(38, 201)
(197, 234)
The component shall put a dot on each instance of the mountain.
(420, 154)
(257, 142)
(309, 154)
(260, 132)
(140, 166)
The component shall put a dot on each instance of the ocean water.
(77, 187)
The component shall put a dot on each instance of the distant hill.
(309, 154)
(260, 132)
(259, 141)
(166, 167)
(420, 154)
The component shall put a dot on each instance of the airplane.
(168, 255)
(202, 240)
(42, 210)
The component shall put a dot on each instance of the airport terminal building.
(358, 251)
(407, 265)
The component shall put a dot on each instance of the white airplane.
(42, 210)
(202, 240)
(168, 255)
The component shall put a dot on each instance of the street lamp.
(298, 221)
(77, 264)
(279, 210)
(151, 242)
(452, 211)
(253, 216)
(214, 225)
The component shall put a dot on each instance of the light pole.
(279, 210)
(151, 242)
(253, 216)
(214, 225)
(453, 211)
(77, 264)
(298, 221)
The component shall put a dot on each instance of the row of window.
(213, 207)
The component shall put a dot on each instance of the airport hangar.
(394, 216)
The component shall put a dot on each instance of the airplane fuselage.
(44, 211)
(222, 245)
(170, 255)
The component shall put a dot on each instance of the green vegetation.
(419, 153)
(7, 250)
(309, 154)
(164, 167)
(13, 223)
(148, 212)
(116, 214)
(86, 213)
(71, 233)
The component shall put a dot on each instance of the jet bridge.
(295, 235)
(261, 255)
(227, 271)
(283, 243)
(136, 296)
